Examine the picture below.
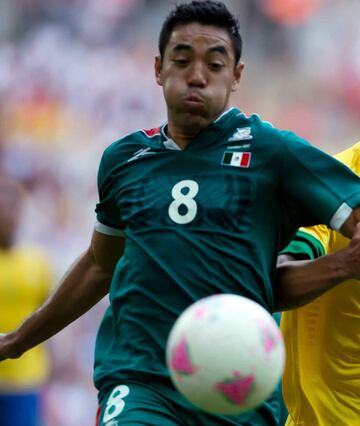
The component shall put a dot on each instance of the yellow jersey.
(321, 383)
(24, 284)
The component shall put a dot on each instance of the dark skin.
(198, 73)
(10, 204)
(301, 281)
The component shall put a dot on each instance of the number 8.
(184, 199)
(115, 403)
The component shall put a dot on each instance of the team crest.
(241, 134)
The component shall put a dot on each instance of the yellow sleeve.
(351, 158)
(307, 244)
(321, 233)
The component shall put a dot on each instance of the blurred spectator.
(290, 12)
(24, 284)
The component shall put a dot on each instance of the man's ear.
(158, 66)
(237, 76)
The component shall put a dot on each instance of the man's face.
(197, 74)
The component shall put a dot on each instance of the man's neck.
(181, 137)
(183, 133)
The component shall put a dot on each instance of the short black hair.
(205, 12)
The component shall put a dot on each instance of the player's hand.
(350, 256)
(6, 347)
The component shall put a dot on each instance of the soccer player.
(322, 377)
(198, 206)
(24, 285)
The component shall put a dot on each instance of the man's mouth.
(194, 99)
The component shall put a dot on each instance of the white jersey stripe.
(108, 230)
(340, 216)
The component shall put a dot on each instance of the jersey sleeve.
(317, 187)
(310, 243)
(107, 210)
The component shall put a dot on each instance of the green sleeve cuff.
(304, 246)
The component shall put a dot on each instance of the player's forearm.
(80, 289)
(301, 281)
(349, 227)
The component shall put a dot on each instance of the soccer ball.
(225, 354)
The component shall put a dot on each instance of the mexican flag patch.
(236, 159)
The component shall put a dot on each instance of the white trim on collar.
(170, 144)
(224, 113)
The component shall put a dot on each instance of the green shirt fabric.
(207, 219)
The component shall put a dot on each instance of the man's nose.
(197, 76)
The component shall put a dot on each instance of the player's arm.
(86, 282)
(301, 281)
(349, 226)
(332, 188)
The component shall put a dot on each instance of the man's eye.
(181, 62)
(216, 65)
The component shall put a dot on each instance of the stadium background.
(77, 74)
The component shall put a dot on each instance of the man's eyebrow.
(181, 46)
(187, 47)
(220, 49)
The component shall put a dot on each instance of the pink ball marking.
(269, 338)
(200, 312)
(237, 390)
(180, 360)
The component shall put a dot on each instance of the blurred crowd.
(75, 75)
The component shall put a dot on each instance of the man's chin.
(196, 113)
(195, 120)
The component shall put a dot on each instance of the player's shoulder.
(263, 127)
(351, 157)
(128, 144)
(254, 121)
(144, 137)
(265, 131)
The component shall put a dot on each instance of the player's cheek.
(173, 91)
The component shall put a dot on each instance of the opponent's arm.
(301, 281)
(86, 282)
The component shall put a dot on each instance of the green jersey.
(207, 219)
